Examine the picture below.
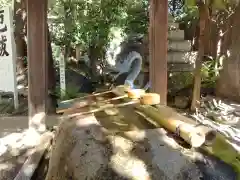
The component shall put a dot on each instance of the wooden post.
(158, 32)
(37, 63)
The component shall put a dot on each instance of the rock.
(78, 152)
(75, 79)
(120, 80)
(82, 149)
(87, 158)
(181, 102)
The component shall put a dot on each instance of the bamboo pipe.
(193, 133)
(196, 136)
(81, 104)
(89, 96)
(137, 96)
(123, 87)
(132, 94)
(103, 108)
(75, 106)
(214, 143)
(207, 132)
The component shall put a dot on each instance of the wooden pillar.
(158, 32)
(37, 62)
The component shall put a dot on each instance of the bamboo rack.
(195, 134)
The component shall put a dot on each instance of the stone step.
(177, 35)
(179, 45)
(181, 57)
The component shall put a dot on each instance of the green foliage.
(180, 80)
(226, 152)
(176, 7)
(187, 15)
(86, 22)
(4, 3)
(214, 4)
(190, 3)
(71, 92)
(136, 21)
(208, 72)
(90, 22)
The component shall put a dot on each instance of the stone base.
(84, 150)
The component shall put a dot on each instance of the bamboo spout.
(195, 135)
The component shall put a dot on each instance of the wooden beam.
(158, 32)
(37, 62)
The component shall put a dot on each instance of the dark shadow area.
(215, 168)
(178, 140)
(7, 106)
(41, 171)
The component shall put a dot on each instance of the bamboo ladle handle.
(145, 99)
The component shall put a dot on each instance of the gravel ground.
(15, 148)
(11, 164)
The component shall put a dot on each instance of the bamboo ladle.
(82, 104)
(137, 97)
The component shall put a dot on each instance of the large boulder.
(83, 149)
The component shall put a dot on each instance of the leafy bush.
(71, 92)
